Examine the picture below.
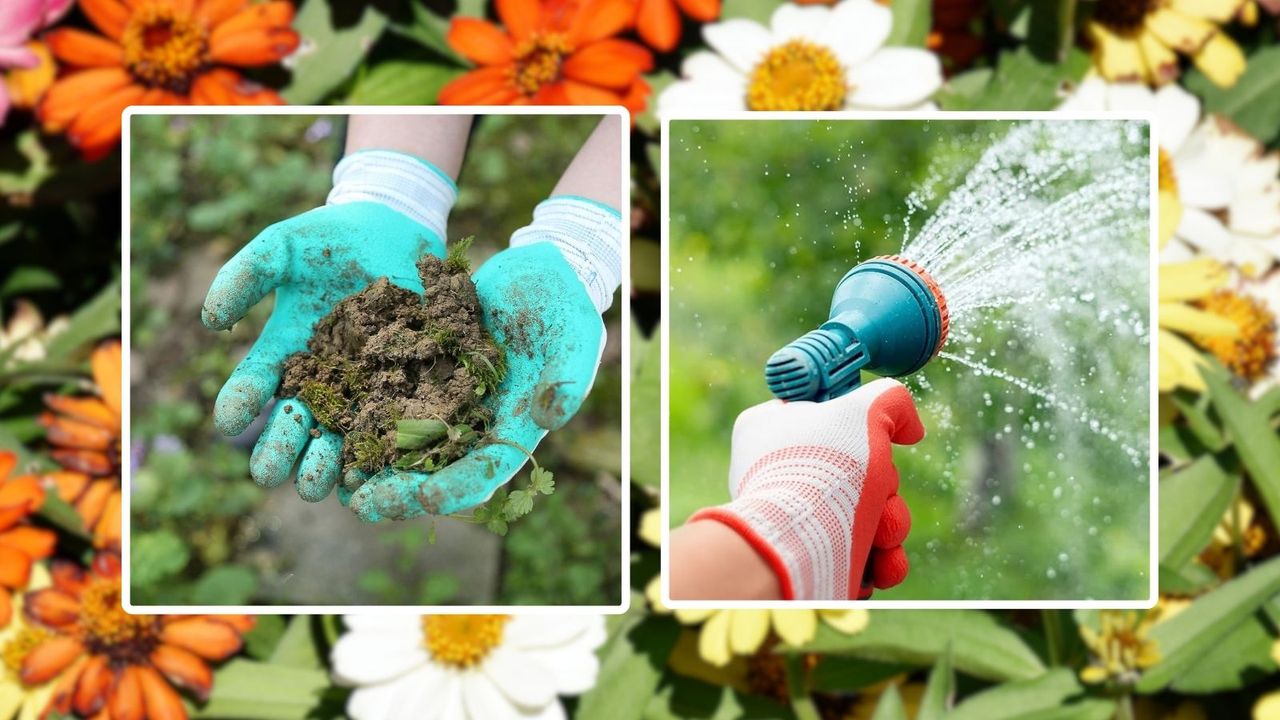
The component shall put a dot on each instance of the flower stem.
(798, 688)
(1052, 636)
(1124, 708)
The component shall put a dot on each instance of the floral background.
(1208, 69)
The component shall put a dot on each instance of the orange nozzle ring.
(932, 284)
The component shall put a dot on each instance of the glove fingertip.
(889, 567)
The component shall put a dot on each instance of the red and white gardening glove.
(815, 492)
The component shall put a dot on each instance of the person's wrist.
(589, 237)
(405, 183)
(742, 518)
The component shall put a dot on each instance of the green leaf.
(95, 319)
(416, 434)
(401, 82)
(981, 645)
(1086, 709)
(759, 10)
(1192, 501)
(940, 690)
(1052, 28)
(63, 515)
(428, 28)
(1020, 81)
(519, 503)
(890, 706)
(844, 673)
(632, 661)
(1190, 579)
(26, 279)
(645, 386)
(497, 526)
(1021, 698)
(329, 52)
(1195, 410)
(911, 20)
(155, 557)
(1189, 635)
(680, 698)
(261, 641)
(1235, 661)
(1253, 102)
(225, 585)
(298, 646)
(1256, 442)
(251, 690)
(541, 480)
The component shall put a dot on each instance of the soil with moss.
(385, 357)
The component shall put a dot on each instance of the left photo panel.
(374, 359)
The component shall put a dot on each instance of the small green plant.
(323, 401)
(457, 257)
(368, 449)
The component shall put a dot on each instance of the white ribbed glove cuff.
(589, 236)
(402, 182)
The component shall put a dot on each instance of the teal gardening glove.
(385, 211)
(542, 300)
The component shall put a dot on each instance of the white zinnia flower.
(809, 58)
(1226, 192)
(24, 337)
(476, 667)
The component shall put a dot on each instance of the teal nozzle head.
(887, 315)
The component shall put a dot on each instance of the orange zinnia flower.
(658, 21)
(160, 52)
(20, 543)
(85, 433)
(556, 52)
(107, 659)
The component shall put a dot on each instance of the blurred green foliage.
(202, 186)
(766, 217)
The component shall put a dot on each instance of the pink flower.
(19, 20)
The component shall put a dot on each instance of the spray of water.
(1041, 254)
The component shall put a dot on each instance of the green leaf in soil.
(890, 705)
(331, 47)
(911, 19)
(632, 662)
(1192, 502)
(940, 690)
(1250, 429)
(251, 690)
(1235, 661)
(401, 82)
(1020, 699)
(1253, 102)
(981, 645)
(416, 434)
(1021, 81)
(1189, 635)
(155, 557)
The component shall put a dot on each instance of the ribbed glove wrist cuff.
(405, 183)
(588, 235)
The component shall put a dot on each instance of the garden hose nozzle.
(888, 315)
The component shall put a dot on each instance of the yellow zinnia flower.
(726, 633)
(25, 702)
(1180, 284)
(1121, 650)
(1139, 40)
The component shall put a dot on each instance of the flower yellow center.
(164, 49)
(21, 645)
(538, 61)
(106, 629)
(462, 640)
(1248, 353)
(1124, 17)
(797, 75)
(1168, 182)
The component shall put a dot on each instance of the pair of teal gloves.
(385, 212)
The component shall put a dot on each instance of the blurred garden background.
(1010, 497)
(202, 187)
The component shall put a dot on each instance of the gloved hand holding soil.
(401, 377)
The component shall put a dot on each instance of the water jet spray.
(888, 315)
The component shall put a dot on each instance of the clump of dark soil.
(402, 377)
